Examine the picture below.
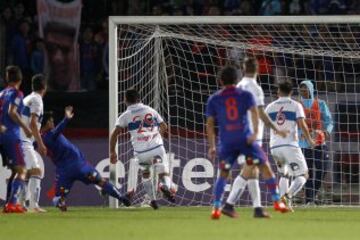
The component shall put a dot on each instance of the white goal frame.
(114, 21)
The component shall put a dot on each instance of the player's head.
(304, 91)
(13, 75)
(132, 96)
(285, 88)
(38, 83)
(250, 66)
(228, 75)
(48, 121)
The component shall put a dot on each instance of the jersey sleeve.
(210, 108)
(16, 98)
(300, 111)
(158, 117)
(121, 121)
(36, 107)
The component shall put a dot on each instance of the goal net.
(173, 62)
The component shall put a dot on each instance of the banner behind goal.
(174, 61)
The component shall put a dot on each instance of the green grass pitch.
(185, 223)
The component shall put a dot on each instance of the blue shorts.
(66, 177)
(228, 155)
(13, 150)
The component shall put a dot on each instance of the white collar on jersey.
(135, 105)
(284, 98)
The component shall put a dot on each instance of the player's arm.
(305, 130)
(211, 136)
(17, 119)
(255, 122)
(34, 128)
(163, 128)
(113, 140)
(69, 114)
(268, 123)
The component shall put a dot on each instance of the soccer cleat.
(125, 200)
(280, 207)
(215, 214)
(154, 205)
(167, 194)
(229, 211)
(288, 202)
(259, 212)
(14, 208)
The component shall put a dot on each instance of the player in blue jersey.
(228, 108)
(70, 162)
(11, 106)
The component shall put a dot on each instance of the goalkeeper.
(320, 124)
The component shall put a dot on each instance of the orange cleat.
(216, 213)
(14, 208)
(281, 207)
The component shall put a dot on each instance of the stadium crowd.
(20, 43)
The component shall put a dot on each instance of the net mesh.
(175, 66)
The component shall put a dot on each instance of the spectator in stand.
(19, 11)
(20, 53)
(7, 19)
(270, 8)
(89, 53)
(38, 57)
(214, 11)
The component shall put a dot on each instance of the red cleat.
(14, 208)
(216, 213)
(281, 207)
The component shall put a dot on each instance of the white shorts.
(156, 157)
(31, 157)
(290, 160)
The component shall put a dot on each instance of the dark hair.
(285, 87)
(132, 96)
(250, 65)
(229, 75)
(55, 27)
(47, 115)
(38, 82)
(13, 74)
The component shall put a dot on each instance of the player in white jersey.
(32, 116)
(288, 115)
(145, 126)
(250, 172)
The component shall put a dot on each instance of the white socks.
(238, 187)
(34, 191)
(149, 188)
(254, 189)
(283, 185)
(296, 186)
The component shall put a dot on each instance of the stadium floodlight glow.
(173, 62)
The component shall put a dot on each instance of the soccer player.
(320, 124)
(32, 115)
(146, 128)
(288, 115)
(229, 108)
(250, 173)
(11, 101)
(70, 162)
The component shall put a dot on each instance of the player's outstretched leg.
(218, 192)
(111, 190)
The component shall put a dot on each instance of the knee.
(146, 174)
(250, 172)
(34, 172)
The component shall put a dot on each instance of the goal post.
(173, 61)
